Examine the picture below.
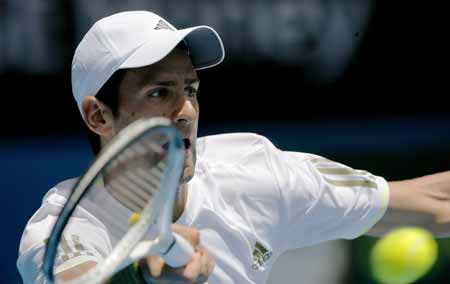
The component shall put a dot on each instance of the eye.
(158, 93)
(191, 92)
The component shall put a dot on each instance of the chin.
(188, 173)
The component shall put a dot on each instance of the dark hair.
(109, 95)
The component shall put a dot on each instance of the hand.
(422, 202)
(197, 270)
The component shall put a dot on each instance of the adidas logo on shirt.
(260, 256)
(161, 25)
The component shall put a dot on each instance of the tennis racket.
(120, 209)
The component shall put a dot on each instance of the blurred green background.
(360, 271)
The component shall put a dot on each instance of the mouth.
(189, 159)
(187, 143)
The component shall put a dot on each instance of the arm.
(423, 202)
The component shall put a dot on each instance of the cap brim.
(205, 48)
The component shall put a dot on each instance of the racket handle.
(180, 252)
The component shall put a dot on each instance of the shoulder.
(235, 169)
(231, 147)
(237, 164)
(249, 150)
(39, 225)
(238, 138)
(59, 193)
(53, 200)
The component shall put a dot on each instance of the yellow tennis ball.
(403, 255)
(134, 218)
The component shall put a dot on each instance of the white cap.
(136, 39)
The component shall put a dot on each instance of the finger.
(193, 268)
(207, 262)
(190, 234)
(196, 270)
(201, 264)
(155, 265)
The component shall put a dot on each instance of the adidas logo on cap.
(161, 25)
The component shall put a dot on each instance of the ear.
(98, 116)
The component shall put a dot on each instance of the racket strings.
(134, 188)
(126, 194)
(131, 187)
(121, 202)
(148, 151)
(113, 220)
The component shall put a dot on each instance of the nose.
(185, 113)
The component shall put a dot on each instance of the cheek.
(140, 109)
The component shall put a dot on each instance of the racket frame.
(118, 259)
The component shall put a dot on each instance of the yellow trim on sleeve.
(380, 211)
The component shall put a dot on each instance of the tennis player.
(248, 201)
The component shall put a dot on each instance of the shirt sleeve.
(74, 249)
(324, 200)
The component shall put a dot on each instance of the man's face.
(165, 89)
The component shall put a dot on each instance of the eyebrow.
(170, 83)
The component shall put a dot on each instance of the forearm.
(423, 202)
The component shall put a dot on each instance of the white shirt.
(249, 200)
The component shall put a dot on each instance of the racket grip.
(180, 252)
